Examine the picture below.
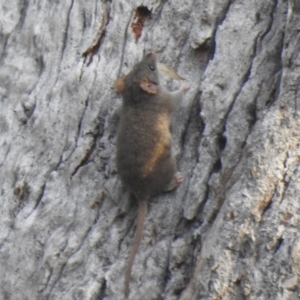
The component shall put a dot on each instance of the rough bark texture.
(230, 231)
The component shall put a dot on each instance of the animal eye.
(151, 68)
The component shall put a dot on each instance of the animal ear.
(148, 86)
(120, 84)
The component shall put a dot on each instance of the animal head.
(142, 78)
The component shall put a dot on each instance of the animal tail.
(142, 211)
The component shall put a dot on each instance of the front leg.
(176, 97)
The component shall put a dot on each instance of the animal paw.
(185, 87)
(177, 179)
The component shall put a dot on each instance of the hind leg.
(176, 180)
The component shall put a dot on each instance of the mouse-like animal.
(144, 160)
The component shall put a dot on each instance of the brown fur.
(144, 160)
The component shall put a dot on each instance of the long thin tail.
(142, 211)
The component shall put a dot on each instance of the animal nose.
(152, 53)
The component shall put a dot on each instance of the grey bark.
(230, 231)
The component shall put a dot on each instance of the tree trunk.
(230, 231)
